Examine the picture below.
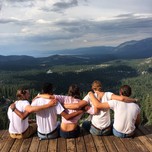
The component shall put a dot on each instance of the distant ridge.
(134, 49)
(128, 50)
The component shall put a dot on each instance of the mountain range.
(89, 55)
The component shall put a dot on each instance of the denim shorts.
(51, 135)
(122, 135)
(70, 134)
(94, 131)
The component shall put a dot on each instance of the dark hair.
(125, 90)
(21, 92)
(47, 88)
(74, 91)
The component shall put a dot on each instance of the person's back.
(102, 119)
(125, 115)
(20, 128)
(100, 123)
(68, 100)
(17, 125)
(70, 128)
(47, 119)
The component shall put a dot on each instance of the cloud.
(1, 5)
(62, 24)
(21, 3)
(61, 6)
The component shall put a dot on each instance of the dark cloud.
(123, 26)
(22, 3)
(15, 21)
(129, 15)
(61, 6)
(5, 21)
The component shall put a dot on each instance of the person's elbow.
(29, 109)
(22, 117)
(97, 106)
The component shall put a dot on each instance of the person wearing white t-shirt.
(19, 126)
(126, 115)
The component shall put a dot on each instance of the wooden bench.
(142, 142)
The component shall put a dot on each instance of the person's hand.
(90, 93)
(52, 102)
(12, 106)
(86, 108)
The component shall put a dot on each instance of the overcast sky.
(33, 27)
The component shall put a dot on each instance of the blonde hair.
(96, 85)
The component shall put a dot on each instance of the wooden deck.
(142, 142)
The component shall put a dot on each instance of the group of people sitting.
(97, 103)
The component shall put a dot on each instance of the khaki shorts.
(29, 131)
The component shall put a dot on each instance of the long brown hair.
(74, 91)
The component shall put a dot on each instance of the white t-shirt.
(17, 125)
(102, 119)
(125, 115)
(47, 119)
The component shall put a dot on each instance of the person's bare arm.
(22, 115)
(71, 115)
(74, 106)
(123, 98)
(91, 110)
(137, 121)
(46, 96)
(97, 103)
(30, 108)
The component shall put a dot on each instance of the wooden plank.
(8, 145)
(71, 147)
(89, 143)
(52, 147)
(80, 144)
(139, 145)
(61, 145)
(99, 144)
(109, 144)
(144, 140)
(118, 144)
(129, 144)
(16, 146)
(2, 132)
(43, 146)
(25, 145)
(34, 144)
(146, 132)
(8, 142)
(3, 139)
